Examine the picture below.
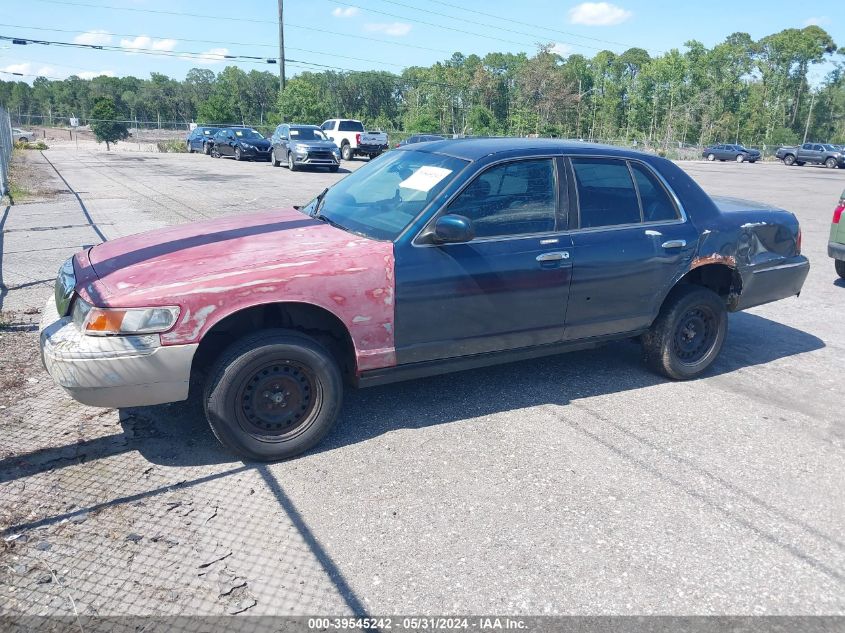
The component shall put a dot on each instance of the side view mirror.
(453, 229)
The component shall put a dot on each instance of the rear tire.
(273, 395)
(688, 334)
(840, 267)
(346, 151)
(789, 160)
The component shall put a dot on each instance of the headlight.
(300, 148)
(247, 145)
(65, 284)
(112, 321)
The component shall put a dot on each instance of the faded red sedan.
(436, 257)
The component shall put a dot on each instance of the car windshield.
(384, 196)
(307, 134)
(248, 134)
(209, 131)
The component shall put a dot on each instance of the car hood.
(168, 262)
(258, 142)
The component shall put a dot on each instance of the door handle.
(553, 257)
(674, 244)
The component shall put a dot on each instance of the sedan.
(731, 152)
(22, 136)
(241, 143)
(199, 140)
(420, 138)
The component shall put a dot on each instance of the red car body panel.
(216, 268)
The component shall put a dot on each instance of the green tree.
(104, 124)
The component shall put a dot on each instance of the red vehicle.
(437, 257)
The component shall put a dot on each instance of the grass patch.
(30, 145)
(173, 146)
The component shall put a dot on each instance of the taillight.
(837, 212)
(357, 139)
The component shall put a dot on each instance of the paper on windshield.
(425, 178)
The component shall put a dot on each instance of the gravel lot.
(579, 484)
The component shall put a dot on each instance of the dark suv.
(242, 143)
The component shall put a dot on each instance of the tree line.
(740, 90)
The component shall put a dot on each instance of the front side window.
(657, 205)
(606, 194)
(383, 197)
(328, 125)
(516, 198)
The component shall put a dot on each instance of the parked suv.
(836, 245)
(200, 139)
(731, 152)
(816, 153)
(242, 143)
(303, 145)
(435, 258)
(353, 140)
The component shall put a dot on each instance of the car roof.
(476, 148)
(317, 127)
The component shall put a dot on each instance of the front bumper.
(113, 371)
(317, 158)
(836, 250)
(256, 152)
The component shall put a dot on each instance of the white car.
(349, 135)
(23, 136)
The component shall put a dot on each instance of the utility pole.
(281, 46)
(809, 114)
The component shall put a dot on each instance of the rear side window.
(516, 198)
(351, 126)
(606, 194)
(657, 205)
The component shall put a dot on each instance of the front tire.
(238, 153)
(291, 162)
(688, 334)
(789, 160)
(273, 395)
(840, 267)
(273, 160)
(711, 157)
(830, 163)
(190, 148)
(740, 158)
(346, 151)
(206, 148)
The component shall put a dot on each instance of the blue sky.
(388, 34)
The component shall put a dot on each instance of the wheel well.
(720, 278)
(344, 142)
(306, 318)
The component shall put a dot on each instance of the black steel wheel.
(687, 335)
(273, 394)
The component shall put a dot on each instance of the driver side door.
(507, 288)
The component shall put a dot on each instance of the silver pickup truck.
(816, 153)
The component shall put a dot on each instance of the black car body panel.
(201, 138)
(731, 152)
(241, 142)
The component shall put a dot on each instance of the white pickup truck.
(349, 135)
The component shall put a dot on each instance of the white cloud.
(95, 38)
(90, 74)
(817, 21)
(209, 57)
(564, 50)
(143, 42)
(392, 28)
(345, 12)
(30, 71)
(598, 14)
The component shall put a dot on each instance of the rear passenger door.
(630, 242)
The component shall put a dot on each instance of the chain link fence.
(6, 145)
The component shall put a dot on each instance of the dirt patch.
(31, 179)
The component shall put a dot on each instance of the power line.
(195, 41)
(218, 18)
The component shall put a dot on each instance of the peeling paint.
(715, 258)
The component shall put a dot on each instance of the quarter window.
(606, 194)
(657, 205)
(516, 198)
